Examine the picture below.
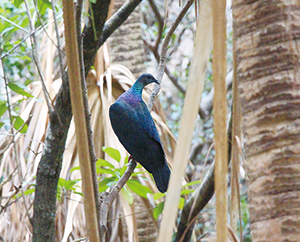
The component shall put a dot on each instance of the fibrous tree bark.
(267, 37)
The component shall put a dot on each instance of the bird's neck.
(137, 88)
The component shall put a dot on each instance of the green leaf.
(19, 88)
(69, 185)
(101, 162)
(43, 5)
(75, 169)
(139, 172)
(106, 171)
(126, 160)
(191, 183)
(181, 203)
(186, 191)
(138, 188)
(29, 191)
(3, 108)
(17, 3)
(18, 123)
(122, 170)
(61, 182)
(113, 153)
(158, 210)
(158, 195)
(127, 195)
(106, 182)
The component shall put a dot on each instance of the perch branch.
(106, 198)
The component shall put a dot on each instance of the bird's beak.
(156, 81)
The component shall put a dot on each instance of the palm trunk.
(267, 37)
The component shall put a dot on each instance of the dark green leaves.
(19, 88)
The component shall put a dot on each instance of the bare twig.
(199, 198)
(160, 21)
(164, 50)
(58, 42)
(20, 175)
(106, 198)
(37, 62)
(37, 31)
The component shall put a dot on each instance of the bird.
(133, 125)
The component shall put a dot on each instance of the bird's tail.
(161, 176)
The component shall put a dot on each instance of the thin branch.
(164, 51)
(106, 198)
(117, 19)
(36, 60)
(199, 198)
(58, 42)
(14, 24)
(160, 21)
(37, 31)
(20, 175)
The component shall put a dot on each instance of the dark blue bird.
(135, 128)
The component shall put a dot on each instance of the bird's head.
(143, 81)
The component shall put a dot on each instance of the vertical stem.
(219, 75)
(236, 132)
(76, 94)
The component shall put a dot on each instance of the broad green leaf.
(181, 203)
(105, 183)
(126, 160)
(113, 153)
(17, 3)
(79, 193)
(158, 195)
(69, 185)
(191, 184)
(61, 182)
(138, 188)
(122, 170)
(29, 191)
(75, 169)
(158, 210)
(43, 5)
(106, 171)
(3, 108)
(139, 172)
(19, 88)
(127, 195)
(186, 191)
(101, 162)
(18, 123)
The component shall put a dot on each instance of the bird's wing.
(136, 131)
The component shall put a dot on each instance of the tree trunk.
(267, 37)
